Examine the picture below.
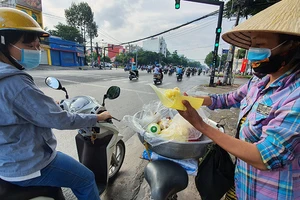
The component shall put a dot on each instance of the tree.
(82, 17)
(247, 7)
(66, 32)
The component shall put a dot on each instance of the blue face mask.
(29, 58)
(259, 54)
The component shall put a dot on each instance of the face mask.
(29, 58)
(259, 54)
(262, 62)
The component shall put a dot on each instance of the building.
(157, 45)
(114, 50)
(64, 52)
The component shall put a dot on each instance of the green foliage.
(241, 53)
(149, 58)
(232, 6)
(82, 17)
(66, 32)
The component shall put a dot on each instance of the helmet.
(13, 19)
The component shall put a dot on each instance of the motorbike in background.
(157, 79)
(179, 77)
(100, 148)
(133, 75)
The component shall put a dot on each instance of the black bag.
(215, 173)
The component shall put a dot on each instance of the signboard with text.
(32, 4)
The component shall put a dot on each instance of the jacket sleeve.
(32, 105)
(229, 100)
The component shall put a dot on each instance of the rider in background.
(27, 143)
(135, 69)
(158, 71)
(179, 70)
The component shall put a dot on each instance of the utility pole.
(218, 33)
(228, 74)
(112, 47)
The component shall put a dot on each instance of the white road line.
(100, 86)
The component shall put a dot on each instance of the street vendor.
(268, 143)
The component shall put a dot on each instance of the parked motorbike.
(99, 148)
(165, 177)
(179, 77)
(157, 79)
(133, 75)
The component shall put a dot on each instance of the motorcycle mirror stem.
(104, 97)
(65, 90)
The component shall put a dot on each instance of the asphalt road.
(134, 94)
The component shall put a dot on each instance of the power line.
(177, 27)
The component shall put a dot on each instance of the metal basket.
(181, 150)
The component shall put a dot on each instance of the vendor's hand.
(103, 116)
(191, 115)
(206, 102)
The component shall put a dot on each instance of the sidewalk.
(131, 185)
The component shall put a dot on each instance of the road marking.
(101, 86)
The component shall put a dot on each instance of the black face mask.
(271, 66)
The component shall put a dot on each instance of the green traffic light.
(219, 30)
(217, 44)
(177, 5)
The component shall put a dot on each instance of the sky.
(127, 20)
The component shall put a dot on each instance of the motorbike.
(199, 72)
(188, 73)
(149, 70)
(99, 148)
(165, 177)
(179, 77)
(166, 71)
(133, 75)
(157, 79)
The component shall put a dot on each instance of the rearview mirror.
(53, 83)
(113, 92)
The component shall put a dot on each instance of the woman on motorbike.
(268, 143)
(27, 144)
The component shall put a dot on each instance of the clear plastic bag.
(179, 130)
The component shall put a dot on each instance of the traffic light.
(218, 30)
(217, 44)
(177, 4)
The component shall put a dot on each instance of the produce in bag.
(180, 130)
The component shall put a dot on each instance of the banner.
(244, 65)
(31, 4)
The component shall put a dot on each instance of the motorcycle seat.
(9, 191)
(165, 178)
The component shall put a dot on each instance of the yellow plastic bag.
(177, 102)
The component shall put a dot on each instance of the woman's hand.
(103, 116)
(191, 115)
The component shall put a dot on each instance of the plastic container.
(177, 103)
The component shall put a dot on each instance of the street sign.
(225, 51)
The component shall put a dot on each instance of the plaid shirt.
(273, 124)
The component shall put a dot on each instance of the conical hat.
(282, 17)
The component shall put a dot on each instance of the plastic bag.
(190, 165)
(153, 113)
(180, 130)
(176, 103)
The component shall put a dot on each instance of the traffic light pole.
(218, 33)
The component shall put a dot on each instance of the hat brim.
(280, 18)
